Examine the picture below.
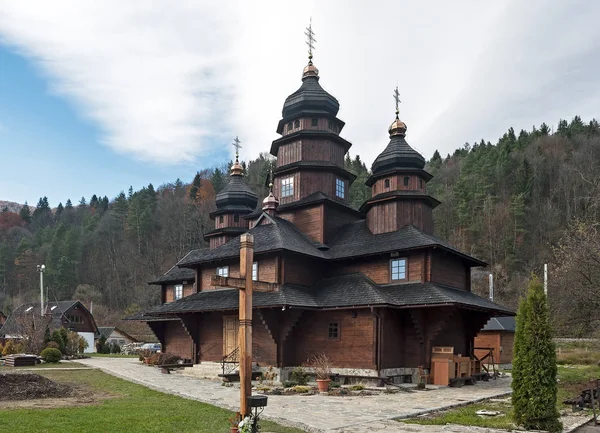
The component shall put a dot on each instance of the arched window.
(386, 184)
(290, 126)
(296, 124)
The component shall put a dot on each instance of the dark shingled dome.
(237, 196)
(310, 97)
(397, 154)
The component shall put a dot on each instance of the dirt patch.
(26, 386)
(32, 391)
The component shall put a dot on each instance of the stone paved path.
(316, 413)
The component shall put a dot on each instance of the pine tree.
(25, 213)
(196, 184)
(534, 364)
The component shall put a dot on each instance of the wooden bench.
(166, 368)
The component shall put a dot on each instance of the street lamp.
(41, 269)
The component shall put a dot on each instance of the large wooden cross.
(245, 284)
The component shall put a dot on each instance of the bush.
(299, 376)
(534, 365)
(10, 348)
(302, 389)
(163, 359)
(52, 345)
(144, 354)
(101, 346)
(57, 337)
(51, 355)
(357, 387)
(115, 348)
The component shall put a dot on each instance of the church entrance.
(231, 325)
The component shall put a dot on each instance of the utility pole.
(245, 330)
(492, 287)
(41, 269)
(546, 279)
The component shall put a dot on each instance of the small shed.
(115, 335)
(498, 334)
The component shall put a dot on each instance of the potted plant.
(322, 367)
(233, 423)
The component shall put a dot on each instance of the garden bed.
(27, 386)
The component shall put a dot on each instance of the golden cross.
(397, 99)
(237, 145)
(310, 39)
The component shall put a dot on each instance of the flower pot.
(233, 430)
(323, 384)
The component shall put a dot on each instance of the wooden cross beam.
(240, 283)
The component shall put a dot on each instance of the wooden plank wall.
(378, 269)
(302, 271)
(309, 220)
(391, 215)
(177, 340)
(448, 269)
(354, 348)
(229, 221)
(397, 184)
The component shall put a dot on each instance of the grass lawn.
(110, 355)
(466, 416)
(572, 379)
(133, 409)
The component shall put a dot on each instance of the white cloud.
(165, 81)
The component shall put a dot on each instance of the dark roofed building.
(497, 334)
(71, 315)
(114, 335)
(373, 288)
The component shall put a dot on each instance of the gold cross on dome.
(237, 145)
(397, 99)
(310, 39)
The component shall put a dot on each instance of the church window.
(223, 271)
(290, 126)
(339, 188)
(386, 184)
(178, 291)
(296, 124)
(314, 121)
(287, 187)
(255, 271)
(398, 269)
(406, 180)
(333, 331)
(421, 183)
(221, 219)
(236, 218)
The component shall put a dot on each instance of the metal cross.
(397, 99)
(237, 145)
(310, 39)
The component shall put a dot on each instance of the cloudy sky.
(98, 96)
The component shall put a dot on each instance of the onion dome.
(237, 195)
(310, 97)
(270, 203)
(397, 154)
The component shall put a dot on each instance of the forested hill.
(522, 201)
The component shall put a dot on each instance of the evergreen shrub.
(51, 355)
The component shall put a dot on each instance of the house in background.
(115, 335)
(497, 334)
(71, 315)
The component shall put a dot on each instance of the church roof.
(278, 235)
(397, 154)
(356, 240)
(236, 196)
(310, 98)
(175, 275)
(399, 193)
(344, 291)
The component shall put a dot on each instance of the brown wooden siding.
(308, 220)
(502, 342)
(378, 269)
(84, 323)
(209, 272)
(301, 271)
(354, 348)
(217, 241)
(310, 150)
(210, 336)
(306, 123)
(168, 291)
(335, 218)
(229, 221)
(397, 183)
(177, 340)
(391, 215)
(448, 269)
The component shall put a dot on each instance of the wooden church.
(372, 288)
